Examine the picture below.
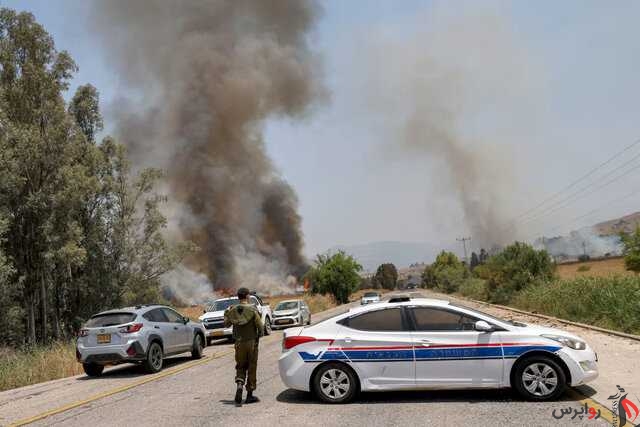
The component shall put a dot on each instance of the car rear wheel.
(196, 350)
(153, 361)
(92, 369)
(267, 327)
(335, 383)
(539, 378)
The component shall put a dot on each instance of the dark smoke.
(202, 77)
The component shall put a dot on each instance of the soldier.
(247, 330)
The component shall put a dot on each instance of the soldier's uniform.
(247, 330)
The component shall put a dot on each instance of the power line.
(572, 184)
(591, 212)
(580, 194)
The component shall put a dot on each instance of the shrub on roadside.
(610, 302)
(446, 274)
(583, 268)
(518, 266)
(31, 366)
(474, 288)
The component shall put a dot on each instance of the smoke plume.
(459, 92)
(201, 78)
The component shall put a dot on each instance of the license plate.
(104, 338)
(217, 333)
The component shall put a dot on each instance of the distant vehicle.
(143, 334)
(213, 317)
(369, 298)
(291, 313)
(408, 343)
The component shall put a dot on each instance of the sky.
(555, 95)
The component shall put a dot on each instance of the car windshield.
(287, 305)
(370, 294)
(221, 305)
(498, 319)
(110, 319)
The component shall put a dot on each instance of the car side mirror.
(482, 326)
(185, 320)
(204, 311)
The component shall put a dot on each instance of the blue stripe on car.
(425, 354)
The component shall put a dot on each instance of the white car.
(407, 344)
(291, 313)
(369, 298)
(213, 317)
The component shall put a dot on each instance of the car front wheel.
(539, 378)
(153, 361)
(267, 327)
(92, 369)
(335, 383)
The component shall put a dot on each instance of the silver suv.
(143, 334)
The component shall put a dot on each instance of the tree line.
(79, 230)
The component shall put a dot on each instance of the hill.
(626, 223)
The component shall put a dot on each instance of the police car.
(421, 343)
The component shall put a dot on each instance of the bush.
(584, 268)
(474, 288)
(446, 274)
(386, 277)
(336, 275)
(611, 302)
(631, 250)
(516, 267)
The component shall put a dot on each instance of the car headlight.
(568, 342)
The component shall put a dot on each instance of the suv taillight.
(83, 332)
(290, 342)
(131, 328)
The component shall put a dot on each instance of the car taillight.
(290, 342)
(131, 328)
(83, 332)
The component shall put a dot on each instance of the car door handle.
(175, 328)
(157, 327)
(425, 343)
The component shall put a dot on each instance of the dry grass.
(596, 268)
(24, 367)
(192, 312)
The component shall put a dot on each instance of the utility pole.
(584, 249)
(464, 241)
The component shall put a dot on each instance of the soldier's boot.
(251, 398)
(238, 398)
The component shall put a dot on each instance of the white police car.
(423, 343)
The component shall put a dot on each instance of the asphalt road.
(200, 393)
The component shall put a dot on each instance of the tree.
(484, 256)
(386, 276)
(37, 150)
(139, 254)
(446, 274)
(475, 261)
(335, 274)
(631, 250)
(517, 266)
(80, 234)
